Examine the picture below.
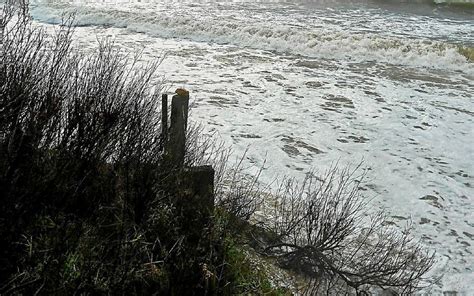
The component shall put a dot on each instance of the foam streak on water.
(305, 85)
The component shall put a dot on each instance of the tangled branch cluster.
(324, 229)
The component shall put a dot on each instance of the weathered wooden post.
(164, 118)
(194, 185)
(198, 192)
(195, 203)
(1, 33)
(178, 124)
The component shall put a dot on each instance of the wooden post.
(200, 181)
(178, 124)
(195, 201)
(1, 33)
(164, 118)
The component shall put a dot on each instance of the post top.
(182, 92)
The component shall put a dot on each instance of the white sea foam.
(327, 42)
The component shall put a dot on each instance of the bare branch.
(325, 230)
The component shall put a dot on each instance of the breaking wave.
(271, 35)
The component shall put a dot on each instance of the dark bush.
(89, 204)
(86, 203)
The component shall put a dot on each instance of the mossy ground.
(250, 274)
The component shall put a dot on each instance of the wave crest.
(271, 35)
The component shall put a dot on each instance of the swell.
(324, 42)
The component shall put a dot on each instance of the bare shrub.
(323, 228)
(206, 149)
(240, 193)
(235, 190)
(79, 160)
(96, 108)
